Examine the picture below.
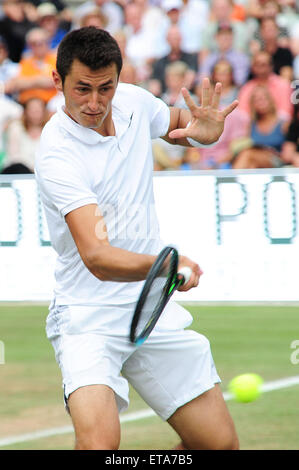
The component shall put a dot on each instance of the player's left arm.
(203, 123)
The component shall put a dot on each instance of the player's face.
(88, 95)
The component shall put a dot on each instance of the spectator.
(48, 20)
(267, 132)
(172, 11)
(8, 68)
(284, 15)
(222, 13)
(267, 128)
(151, 16)
(35, 75)
(167, 156)
(9, 110)
(190, 16)
(279, 87)
(58, 4)
(139, 40)
(223, 72)
(121, 39)
(290, 148)
(176, 77)
(225, 50)
(128, 73)
(14, 26)
(23, 137)
(282, 57)
(157, 82)
(94, 18)
(112, 10)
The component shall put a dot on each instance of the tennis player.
(94, 170)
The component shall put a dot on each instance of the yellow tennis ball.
(246, 387)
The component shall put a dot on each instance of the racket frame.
(171, 284)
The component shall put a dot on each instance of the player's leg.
(175, 374)
(205, 423)
(95, 417)
(90, 364)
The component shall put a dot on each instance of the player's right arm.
(106, 262)
(109, 263)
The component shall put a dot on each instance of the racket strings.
(157, 294)
(152, 302)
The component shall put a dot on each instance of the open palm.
(207, 120)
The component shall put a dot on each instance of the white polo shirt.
(76, 166)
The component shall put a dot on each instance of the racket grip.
(186, 273)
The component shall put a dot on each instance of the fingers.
(226, 111)
(178, 133)
(206, 92)
(195, 276)
(188, 100)
(216, 96)
(193, 282)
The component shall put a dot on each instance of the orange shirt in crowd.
(30, 67)
(239, 13)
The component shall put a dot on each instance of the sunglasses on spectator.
(38, 43)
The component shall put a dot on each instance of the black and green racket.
(162, 281)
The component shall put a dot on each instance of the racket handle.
(186, 273)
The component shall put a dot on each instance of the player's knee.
(221, 441)
(97, 442)
(227, 442)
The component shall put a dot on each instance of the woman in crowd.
(23, 136)
(223, 72)
(267, 132)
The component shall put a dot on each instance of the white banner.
(241, 227)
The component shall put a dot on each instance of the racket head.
(154, 295)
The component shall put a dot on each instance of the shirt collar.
(121, 117)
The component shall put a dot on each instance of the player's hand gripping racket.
(161, 283)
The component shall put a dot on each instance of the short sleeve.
(63, 183)
(158, 113)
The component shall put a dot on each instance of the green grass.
(243, 339)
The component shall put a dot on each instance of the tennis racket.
(160, 284)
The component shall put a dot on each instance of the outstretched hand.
(207, 120)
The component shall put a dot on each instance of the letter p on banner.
(229, 191)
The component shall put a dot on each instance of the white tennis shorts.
(171, 368)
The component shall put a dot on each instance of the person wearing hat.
(48, 19)
(190, 16)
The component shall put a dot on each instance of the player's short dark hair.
(93, 47)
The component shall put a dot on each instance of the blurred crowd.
(250, 46)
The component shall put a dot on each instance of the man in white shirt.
(94, 170)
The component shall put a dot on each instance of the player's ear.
(57, 80)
